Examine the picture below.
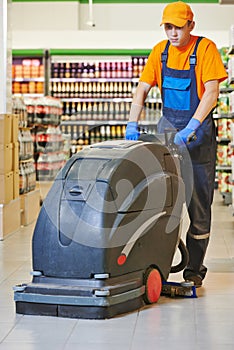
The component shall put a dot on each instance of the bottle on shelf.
(22, 179)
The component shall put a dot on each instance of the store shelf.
(96, 99)
(231, 50)
(223, 140)
(28, 95)
(104, 122)
(224, 115)
(223, 168)
(226, 89)
(40, 79)
(93, 80)
(96, 88)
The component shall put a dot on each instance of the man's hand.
(132, 132)
(188, 134)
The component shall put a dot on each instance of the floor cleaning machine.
(107, 233)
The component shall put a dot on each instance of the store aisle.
(206, 322)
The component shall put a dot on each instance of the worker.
(187, 69)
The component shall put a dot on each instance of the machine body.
(112, 216)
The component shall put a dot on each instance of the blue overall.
(180, 101)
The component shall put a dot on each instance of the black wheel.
(153, 285)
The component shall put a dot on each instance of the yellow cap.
(177, 13)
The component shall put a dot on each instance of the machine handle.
(75, 191)
(191, 137)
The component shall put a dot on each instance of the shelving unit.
(224, 119)
(224, 156)
(96, 88)
(28, 73)
(231, 80)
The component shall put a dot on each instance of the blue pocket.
(177, 93)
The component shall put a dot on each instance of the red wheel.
(153, 285)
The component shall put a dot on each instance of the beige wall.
(64, 24)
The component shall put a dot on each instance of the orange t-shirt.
(209, 64)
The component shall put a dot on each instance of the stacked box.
(9, 157)
(9, 218)
(9, 175)
(15, 127)
(15, 156)
(6, 187)
(30, 207)
(5, 128)
(6, 158)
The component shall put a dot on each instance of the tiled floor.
(206, 322)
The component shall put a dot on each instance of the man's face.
(178, 36)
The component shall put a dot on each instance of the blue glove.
(186, 135)
(132, 132)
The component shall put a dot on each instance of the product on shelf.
(225, 182)
(231, 69)
(43, 110)
(231, 102)
(138, 64)
(25, 144)
(27, 68)
(91, 89)
(47, 139)
(43, 140)
(224, 128)
(104, 68)
(111, 110)
(224, 154)
(27, 176)
(224, 55)
(19, 108)
(97, 96)
(49, 151)
(27, 75)
(83, 135)
(223, 104)
(27, 173)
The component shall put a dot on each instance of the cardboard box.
(16, 184)
(30, 207)
(6, 187)
(5, 128)
(9, 218)
(15, 156)
(15, 127)
(44, 187)
(6, 158)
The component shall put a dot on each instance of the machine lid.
(115, 144)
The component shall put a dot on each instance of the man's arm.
(138, 101)
(208, 100)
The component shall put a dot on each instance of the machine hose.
(184, 258)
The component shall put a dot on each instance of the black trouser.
(198, 172)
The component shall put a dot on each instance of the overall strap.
(193, 58)
(165, 52)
